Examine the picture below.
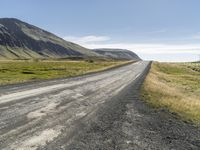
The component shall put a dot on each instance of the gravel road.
(96, 111)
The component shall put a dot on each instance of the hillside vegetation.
(23, 71)
(175, 86)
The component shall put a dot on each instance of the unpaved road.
(96, 111)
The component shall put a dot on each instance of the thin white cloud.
(146, 48)
(157, 31)
(87, 39)
(196, 37)
(93, 41)
(159, 52)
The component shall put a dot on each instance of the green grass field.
(23, 71)
(175, 86)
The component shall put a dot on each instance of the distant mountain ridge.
(20, 40)
(122, 54)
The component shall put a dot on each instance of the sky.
(161, 30)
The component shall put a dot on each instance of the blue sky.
(164, 30)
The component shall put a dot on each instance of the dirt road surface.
(97, 111)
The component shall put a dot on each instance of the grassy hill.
(20, 40)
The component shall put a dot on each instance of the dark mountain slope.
(20, 40)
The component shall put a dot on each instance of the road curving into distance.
(96, 111)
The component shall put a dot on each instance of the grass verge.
(22, 71)
(175, 86)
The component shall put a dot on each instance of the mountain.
(121, 54)
(20, 40)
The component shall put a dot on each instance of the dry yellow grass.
(175, 87)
